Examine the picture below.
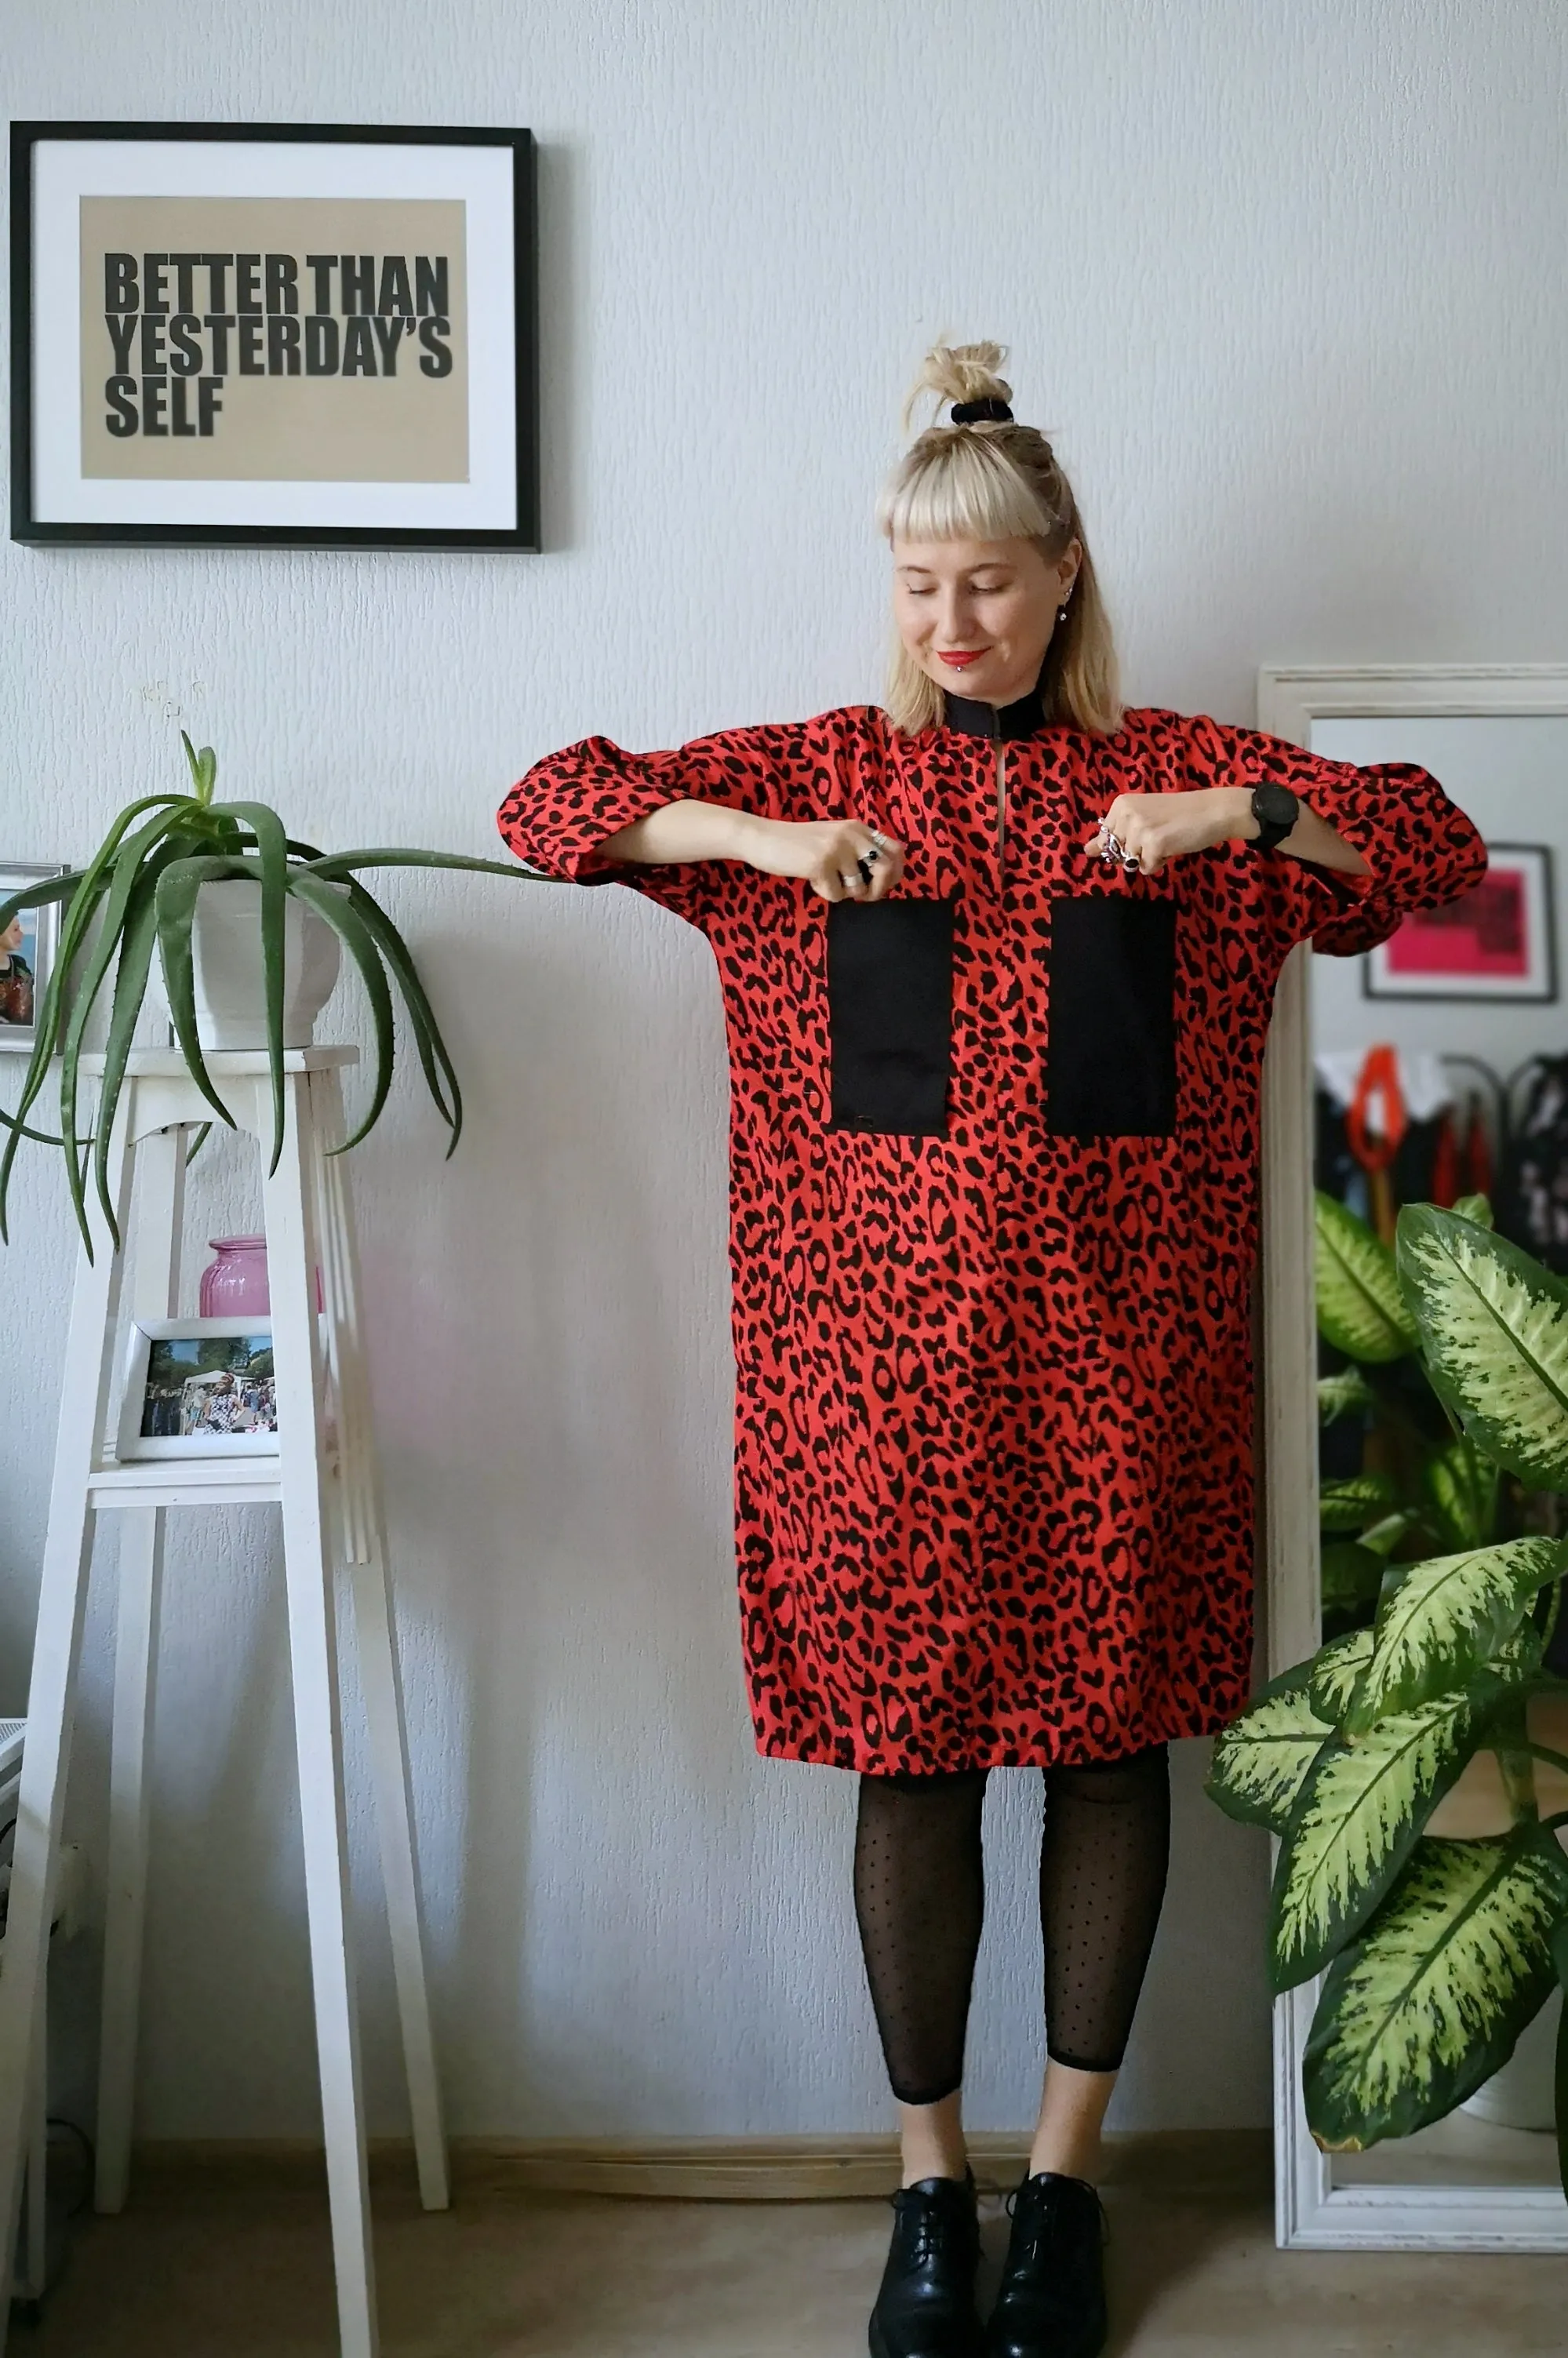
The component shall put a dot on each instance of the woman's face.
(12, 938)
(977, 615)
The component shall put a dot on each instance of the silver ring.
(870, 858)
(880, 839)
(848, 882)
(1109, 845)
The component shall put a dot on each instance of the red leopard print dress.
(994, 1168)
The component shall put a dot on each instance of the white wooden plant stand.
(328, 1491)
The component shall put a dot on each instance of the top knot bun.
(960, 373)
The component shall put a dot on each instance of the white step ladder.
(327, 1492)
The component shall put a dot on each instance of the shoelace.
(1042, 2229)
(934, 2222)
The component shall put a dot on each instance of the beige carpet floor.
(226, 2273)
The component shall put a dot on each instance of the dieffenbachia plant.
(1437, 1952)
(138, 893)
(1433, 1487)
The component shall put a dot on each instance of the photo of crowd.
(217, 1384)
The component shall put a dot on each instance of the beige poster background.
(400, 424)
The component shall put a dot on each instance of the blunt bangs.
(961, 487)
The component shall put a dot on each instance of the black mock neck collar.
(976, 720)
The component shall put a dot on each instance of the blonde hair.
(998, 481)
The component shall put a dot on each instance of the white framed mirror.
(1496, 737)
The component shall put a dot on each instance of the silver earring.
(1061, 614)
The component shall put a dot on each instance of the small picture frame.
(26, 955)
(1497, 941)
(198, 1388)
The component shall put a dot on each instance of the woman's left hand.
(1155, 828)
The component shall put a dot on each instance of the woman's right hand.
(824, 852)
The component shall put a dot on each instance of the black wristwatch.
(1276, 809)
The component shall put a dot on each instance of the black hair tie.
(976, 413)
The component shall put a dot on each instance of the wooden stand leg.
(154, 1293)
(366, 1546)
(389, 1760)
(135, 1652)
(52, 1699)
(291, 1262)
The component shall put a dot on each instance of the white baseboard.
(706, 2169)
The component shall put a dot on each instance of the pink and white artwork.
(1497, 941)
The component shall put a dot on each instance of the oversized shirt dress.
(994, 1206)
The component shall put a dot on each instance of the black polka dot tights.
(920, 1897)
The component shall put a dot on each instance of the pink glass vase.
(235, 1285)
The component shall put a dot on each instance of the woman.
(998, 964)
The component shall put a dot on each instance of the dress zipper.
(1000, 751)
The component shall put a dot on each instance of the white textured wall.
(1282, 279)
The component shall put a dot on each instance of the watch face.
(1275, 805)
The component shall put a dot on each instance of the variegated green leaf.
(1438, 1622)
(1462, 1486)
(1355, 1819)
(1381, 1537)
(1494, 1336)
(1349, 1577)
(1429, 2003)
(1350, 1504)
(1519, 1657)
(1344, 1394)
(1260, 1758)
(1475, 1207)
(1359, 1307)
(1335, 1670)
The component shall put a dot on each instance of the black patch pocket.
(1111, 1060)
(890, 1014)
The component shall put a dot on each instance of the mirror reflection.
(1440, 1070)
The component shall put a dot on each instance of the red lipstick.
(961, 656)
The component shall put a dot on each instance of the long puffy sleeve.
(559, 814)
(1422, 850)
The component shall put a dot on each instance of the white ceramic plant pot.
(1519, 2096)
(226, 957)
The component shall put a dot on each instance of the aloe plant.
(1438, 1952)
(137, 895)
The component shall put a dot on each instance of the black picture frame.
(522, 534)
(1540, 991)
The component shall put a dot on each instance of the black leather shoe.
(1052, 2301)
(926, 2305)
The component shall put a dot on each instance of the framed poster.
(237, 333)
(28, 943)
(1497, 941)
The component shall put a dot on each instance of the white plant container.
(1519, 2096)
(230, 983)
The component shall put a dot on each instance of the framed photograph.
(27, 957)
(1497, 941)
(198, 1388)
(319, 336)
